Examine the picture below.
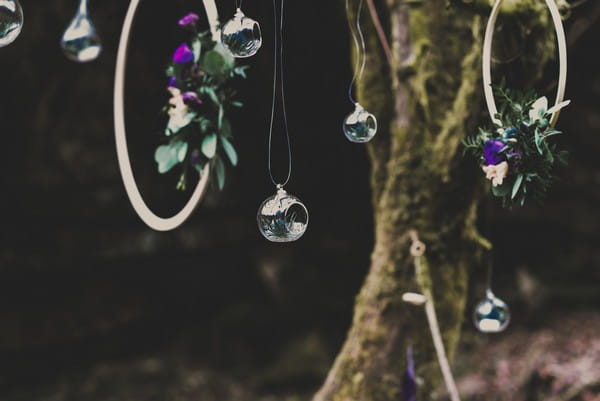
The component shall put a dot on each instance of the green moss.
(426, 103)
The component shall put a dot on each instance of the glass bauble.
(360, 126)
(241, 35)
(80, 42)
(282, 217)
(492, 314)
(11, 21)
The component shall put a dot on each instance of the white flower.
(497, 173)
(539, 109)
(179, 112)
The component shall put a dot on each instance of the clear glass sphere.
(80, 42)
(360, 126)
(11, 21)
(241, 35)
(492, 314)
(282, 217)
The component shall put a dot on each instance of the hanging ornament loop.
(278, 69)
(152, 220)
(360, 48)
(487, 59)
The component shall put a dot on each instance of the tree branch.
(387, 50)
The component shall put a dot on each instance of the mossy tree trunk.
(426, 103)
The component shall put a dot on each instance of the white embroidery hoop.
(487, 58)
(152, 220)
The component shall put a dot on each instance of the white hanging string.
(487, 59)
(360, 48)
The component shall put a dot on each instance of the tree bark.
(426, 103)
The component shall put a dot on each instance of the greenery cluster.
(523, 129)
(200, 133)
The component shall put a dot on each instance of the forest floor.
(559, 361)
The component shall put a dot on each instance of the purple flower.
(195, 157)
(491, 152)
(409, 381)
(189, 20)
(172, 82)
(191, 98)
(183, 54)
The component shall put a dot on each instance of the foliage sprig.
(517, 153)
(198, 132)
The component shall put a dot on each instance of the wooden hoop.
(487, 58)
(152, 220)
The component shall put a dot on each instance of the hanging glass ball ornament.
(492, 314)
(360, 126)
(80, 42)
(282, 217)
(11, 21)
(241, 35)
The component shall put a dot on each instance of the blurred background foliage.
(95, 306)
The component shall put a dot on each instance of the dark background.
(95, 306)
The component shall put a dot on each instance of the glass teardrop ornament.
(282, 217)
(241, 35)
(11, 21)
(491, 315)
(80, 42)
(360, 126)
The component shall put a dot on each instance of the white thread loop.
(487, 60)
(152, 220)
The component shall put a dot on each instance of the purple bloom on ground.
(191, 97)
(183, 54)
(189, 20)
(409, 380)
(172, 82)
(491, 152)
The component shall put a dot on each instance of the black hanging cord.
(278, 59)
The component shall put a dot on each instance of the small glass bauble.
(11, 21)
(241, 35)
(80, 42)
(492, 314)
(282, 217)
(360, 126)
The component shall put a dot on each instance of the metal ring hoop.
(487, 58)
(152, 220)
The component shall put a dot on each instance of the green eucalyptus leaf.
(197, 49)
(228, 59)
(209, 145)
(501, 190)
(221, 115)
(229, 151)
(213, 63)
(517, 186)
(220, 173)
(177, 123)
(181, 149)
(226, 128)
(212, 94)
(166, 158)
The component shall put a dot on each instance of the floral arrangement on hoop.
(516, 154)
(198, 131)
